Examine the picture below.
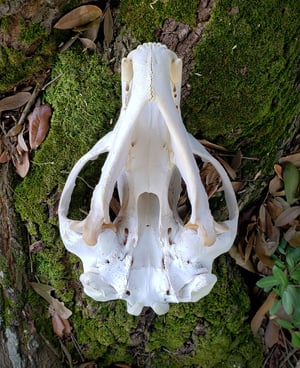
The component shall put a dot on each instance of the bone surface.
(147, 256)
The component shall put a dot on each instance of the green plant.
(285, 282)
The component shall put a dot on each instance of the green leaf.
(267, 282)
(296, 254)
(296, 339)
(278, 262)
(287, 302)
(275, 307)
(290, 261)
(285, 324)
(295, 275)
(291, 179)
(280, 276)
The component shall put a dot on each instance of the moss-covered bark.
(243, 93)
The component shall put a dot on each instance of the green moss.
(32, 32)
(243, 91)
(143, 20)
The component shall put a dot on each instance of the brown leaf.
(39, 124)
(293, 158)
(274, 207)
(235, 254)
(55, 307)
(4, 157)
(278, 169)
(262, 311)
(15, 101)
(237, 160)
(21, 141)
(77, 17)
(271, 333)
(292, 236)
(57, 325)
(15, 130)
(237, 185)
(108, 26)
(87, 44)
(21, 163)
(287, 216)
(92, 29)
(230, 171)
(212, 145)
(276, 187)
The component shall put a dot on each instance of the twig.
(30, 103)
(52, 81)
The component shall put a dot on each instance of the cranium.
(147, 256)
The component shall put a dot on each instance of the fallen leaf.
(230, 171)
(237, 185)
(271, 333)
(57, 325)
(274, 208)
(92, 29)
(21, 141)
(108, 26)
(276, 187)
(77, 17)
(292, 236)
(39, 124)
(278, 169)
(293, 158)
(87, 44)
(212, 145)
(21, 163)
(237, 160)
(235, 254)
(15, 101)
(4, 157)
(262, 311)
(56, 306)
(15, 130)
(287, 216)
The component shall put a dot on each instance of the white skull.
(147, 256)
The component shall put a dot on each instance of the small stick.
(30, 103)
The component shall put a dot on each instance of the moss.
(144, 20)
(34, 51)
(32, 32)
(243, 91)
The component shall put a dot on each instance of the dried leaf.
(274, 208)
(15, 130)
(4, 157)
(15, 101)
(21, 163)
(276, 187)
(108, 26)
(235, 254)
(293, 158)
(91, 32)
(56, 307)
(237, 160)
(57, 325)
(21, 141)
(237, 185)
(212, 145)
(39, 124)
(230, 171)
(292, 236)
(87, 44)
(287, 216)
(271, 333)
(262, 311)
(278, 170)
(291, 179)
(77, 17)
